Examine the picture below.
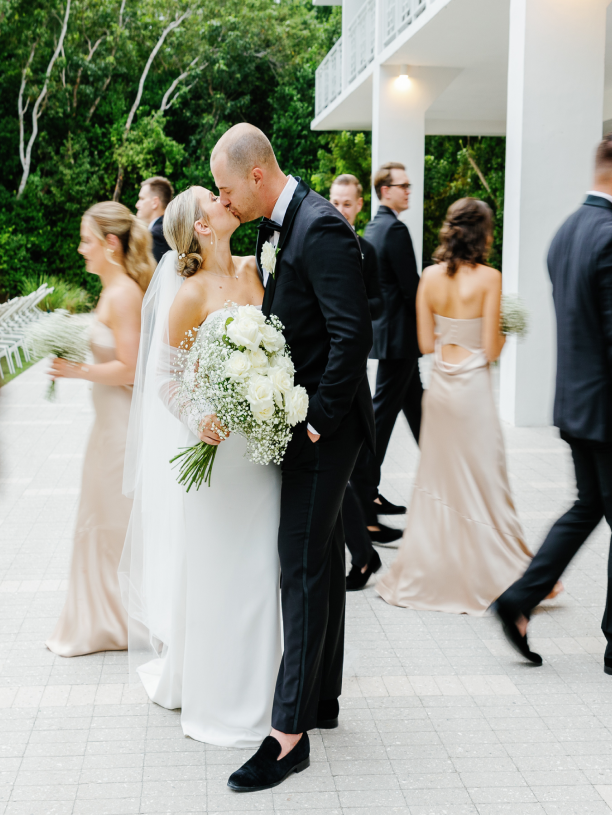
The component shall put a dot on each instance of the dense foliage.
(122, 89)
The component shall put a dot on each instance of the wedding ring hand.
(208, 430)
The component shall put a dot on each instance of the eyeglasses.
(405, 186)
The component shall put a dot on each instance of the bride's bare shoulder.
(188, 309)
(245, 263)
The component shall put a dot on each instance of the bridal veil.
(152, 559)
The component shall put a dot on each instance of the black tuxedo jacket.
(319, 295)
(160, 245)
(370, 277)
(395, 333)
(580, 267)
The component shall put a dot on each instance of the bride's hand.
(61, 368)
(208, 432)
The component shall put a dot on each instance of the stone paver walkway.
(438, 716)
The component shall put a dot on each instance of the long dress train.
(463, 544)
(93, 618)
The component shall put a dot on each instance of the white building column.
(398, 132)
(555, 112)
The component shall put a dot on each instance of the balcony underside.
(468, 35)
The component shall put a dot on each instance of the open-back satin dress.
(93, 618)
(463, 544)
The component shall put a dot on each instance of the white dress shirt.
(278, 216)
(279, 212)
(600, 194)
(153, 222)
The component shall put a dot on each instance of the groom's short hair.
(603, 156)
(245, 146)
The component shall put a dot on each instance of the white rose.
(272, 340)
(296, 405)
(259, 360)
(282, 382)
(244, 333)
(284, 362)
(238, 365)
(268, 258)
(251, 313)
(260, 396)
(281, 379)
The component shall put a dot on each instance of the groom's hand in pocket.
(209, 427)
(314, 437)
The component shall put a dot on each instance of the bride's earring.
(109, 254)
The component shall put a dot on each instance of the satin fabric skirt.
(224, 647)
(463, 544)
(93, 618)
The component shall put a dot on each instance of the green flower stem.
(197, 464)
(51, 393)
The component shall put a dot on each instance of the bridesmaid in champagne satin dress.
(117, 247)
(463, 544)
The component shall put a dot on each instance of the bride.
(199, 572)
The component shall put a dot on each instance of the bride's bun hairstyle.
(179, 219)
(112, 218)
(465, 237)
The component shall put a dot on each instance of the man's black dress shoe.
(513, 635)
(387, 508)
(264, 770)
(327, 714)
(385, 534)
(608, 665)
(356, 579)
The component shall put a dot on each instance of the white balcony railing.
(398, 15)
(361, 44)
(328, 78)
(362, 39)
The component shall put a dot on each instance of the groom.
(317, 291)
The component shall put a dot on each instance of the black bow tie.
(266, 223)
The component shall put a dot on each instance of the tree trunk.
(26, 159)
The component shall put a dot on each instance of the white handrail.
(362, 39)
(398, 15)
(328, 78)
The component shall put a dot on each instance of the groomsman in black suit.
(580, 267)
(346, 195)
(398, 382)
(317, 291)
(154, 196)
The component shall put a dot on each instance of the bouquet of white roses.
(59, 334)
(240, 369)
(514, 315)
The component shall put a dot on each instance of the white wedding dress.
(200, 571)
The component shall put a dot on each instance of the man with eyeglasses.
(398, 382)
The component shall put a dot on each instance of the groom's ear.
(257, 176)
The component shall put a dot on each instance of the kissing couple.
(200, 571)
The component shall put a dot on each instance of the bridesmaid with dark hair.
(463, 544)
(117, 247)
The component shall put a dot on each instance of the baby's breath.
(250, 389)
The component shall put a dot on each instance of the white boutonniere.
(268, 258)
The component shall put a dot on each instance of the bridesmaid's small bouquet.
(59, 334)
(240, 369)
(514, 315)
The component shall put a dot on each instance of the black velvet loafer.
(356, 579)
(387, 508)
(608, 665)
(327, 714)
(513, 635)
(264, 770)
(385, 534)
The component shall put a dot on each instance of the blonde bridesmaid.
(117, 247)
